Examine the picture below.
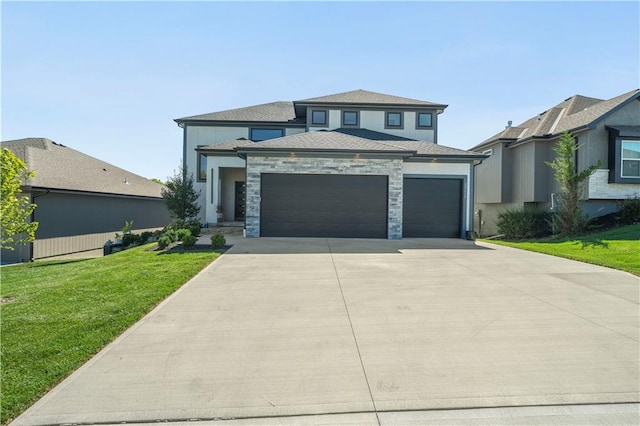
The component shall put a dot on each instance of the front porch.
(225, 192)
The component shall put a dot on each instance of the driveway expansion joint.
(346, 308)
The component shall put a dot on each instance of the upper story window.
(350, 118)
(202, 167)
(393, 120)
(258, 135)
(319, 117)
(630, 159)
(424, 120)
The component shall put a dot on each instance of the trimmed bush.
(218, 241)
(163, 242)
(172, 234)
(189, 240)
(192, 225)
(182, 234)
(520, 224)
(131, 240)
(146, 236)
(629, 211)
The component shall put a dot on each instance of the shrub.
(146, 236)
(182, 234)
(131, 240)
(192, 225)
(163, 242)
(518, 224)
(629, 211)
(172, 234)
(218, 241)
(189, 240)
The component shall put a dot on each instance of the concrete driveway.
(281, 327)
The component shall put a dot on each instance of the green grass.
(617, 248)
(64, 312)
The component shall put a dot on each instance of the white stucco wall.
(213, 186)
(375, 120)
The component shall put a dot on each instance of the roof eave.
(365, 104)
(261, 150)
(182, 121)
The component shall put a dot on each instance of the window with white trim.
(630, 159)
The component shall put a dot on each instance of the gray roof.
(276, 112)
(323, 140)
(60, 167)
(227, 145)
(344, 140)
(571, 114)
(361, 97)
(284, 112)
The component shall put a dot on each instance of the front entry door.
(240, 195)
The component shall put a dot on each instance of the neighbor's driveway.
(302, 326)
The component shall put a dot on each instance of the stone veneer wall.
(256, 165)
(600, 188)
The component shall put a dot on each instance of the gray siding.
(489, 177)
(71, 223)
(62, 214)
(523, 183)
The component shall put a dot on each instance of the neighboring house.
(81, 200)
(354, 164)
(516, 174)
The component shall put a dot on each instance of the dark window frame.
(325, 123)
(357, 113)
(199, 177)
(615, 155)
(418, 114)
(622, 158)
(386, 120)
(251, 130)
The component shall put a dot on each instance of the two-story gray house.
(516, 174)
(355, 164)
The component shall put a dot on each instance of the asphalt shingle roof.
(573, 113)
(61, 167)
(227, 145)
(366, 97)
(277, 112)
(340, 140)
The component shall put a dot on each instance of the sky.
(109, 78)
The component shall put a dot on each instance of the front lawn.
(61, 313)
(617, 248)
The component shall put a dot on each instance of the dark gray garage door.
(432, 208)
(344, 206)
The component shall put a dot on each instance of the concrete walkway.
(371, 330)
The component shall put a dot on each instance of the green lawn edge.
(617, 248)
(66, 311)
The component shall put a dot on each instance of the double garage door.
(355, 206)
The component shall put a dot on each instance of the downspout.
(33, 219)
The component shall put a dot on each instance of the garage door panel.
(297, 205)
(432, 207)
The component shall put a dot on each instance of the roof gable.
(64, 168)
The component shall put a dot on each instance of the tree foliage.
(15, 209)
(569, 218)
(180, 196)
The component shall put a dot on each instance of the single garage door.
(432, 208)
(301, 205)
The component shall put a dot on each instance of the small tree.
(15, 209)
(569, 218)
(180, 196)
